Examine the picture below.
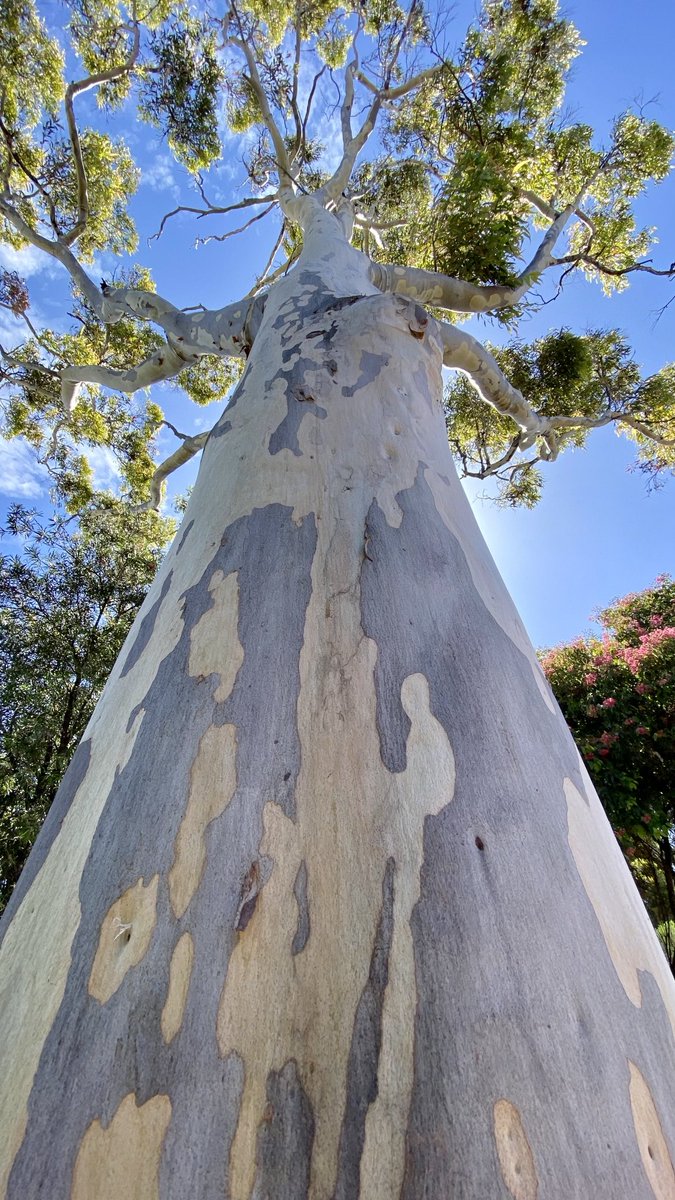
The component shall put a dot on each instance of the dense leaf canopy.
(458, 161)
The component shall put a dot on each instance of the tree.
(326, 905)
(617, 693)
(67, 603)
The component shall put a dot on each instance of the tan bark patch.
(654, 1151)
(513, 1150)
(214, 644)
(123, 1160)
(213, 780)
(370, 819)
(125, 936)
(180, 971)
(626, 928)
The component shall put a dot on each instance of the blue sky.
(596, 533)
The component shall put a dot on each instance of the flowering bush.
(617, 692)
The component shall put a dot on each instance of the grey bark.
(313, 916)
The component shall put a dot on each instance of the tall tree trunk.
(326, 906)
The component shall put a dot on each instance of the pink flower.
(646, 818)
(607, 739)
(603, 753)
(609, 702)
(642, 729)
(655, 621)
(591, 678)
(641, 688)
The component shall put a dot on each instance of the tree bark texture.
(326, 905)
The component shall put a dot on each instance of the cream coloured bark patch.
(123, 1160)
(125, 935)
(626, 928)
(213, 780)
(367, 820)
(654, 1151)
(180, 971)
(513, 1150)
(214, 644)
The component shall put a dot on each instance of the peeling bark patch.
(313, 302)
(364, 1055)
(370, 366)
(145, 631)
(300, 892)
(285, 436)
(487, 922)
(285, 1137)
(68, 789)
(124, 939)
(654, 1151)
(96, 1054)
(515, 1155)
(123, 1160)
(183, 536)
(180, 971)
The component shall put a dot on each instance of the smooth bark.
(326, 906)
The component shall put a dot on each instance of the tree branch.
(212, 209)
(286, 180)
(457, 295)
(163, 364)
(74, 89)
(465, 353)
(190, 447)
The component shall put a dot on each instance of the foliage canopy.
(458, 161)
(66, 605)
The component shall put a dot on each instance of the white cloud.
(160, 177)
(104, 466)
(21, 475)
(27, 261)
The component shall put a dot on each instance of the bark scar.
(250, 890)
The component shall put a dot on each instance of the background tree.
(617, 693)
(67, 602)
(272, 928)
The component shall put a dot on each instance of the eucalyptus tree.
(326, 905)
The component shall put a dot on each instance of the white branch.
(74, 89)
(610, 418)
(457, 295)
(465, 353)
(286, 180)
(190, 447)
(163, 364)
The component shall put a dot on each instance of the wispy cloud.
(21, 475)
(160, 177)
